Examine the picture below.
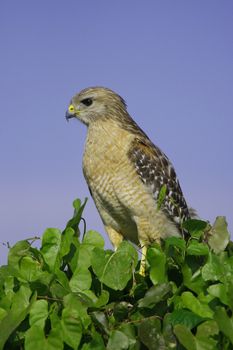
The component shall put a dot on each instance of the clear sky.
(172, 61)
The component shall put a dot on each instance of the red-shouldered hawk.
(125, 172)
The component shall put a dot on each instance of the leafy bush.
(73, 294)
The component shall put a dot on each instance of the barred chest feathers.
(119, 194)
(110, 177)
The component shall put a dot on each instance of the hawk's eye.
(87, 101)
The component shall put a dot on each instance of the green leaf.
(205, 298)
(219, 235)
(149, 332)
(216, 268)
(102, 299)
(96, 343)
(207, 329)
(117, 341)
(30, 270)
(185, 337)
(3, 313)
(81, 279)
(201, 341)
(195, 227)
(169, 337)
(115, 269)
(225, 323)
(8, 286)
(84, 256)
(100, 320)
(66, 241)
(21, 299)
(72, 257)
(161, 196)
(19, 250)
(77, 204)
(177, 242)
(206, 343)
(130, 331)
(193, 281)
(219, 291)
(55, 337)
(193, 304)
(93, 238)
(34, 338)
(196, 248)
(51, 242)
(185, 317)
(20, 309)
(72, 328)
(157, 261)
(99, 261)
(78, 210)
(39, 313)
(54, 340)
(154, 295)
(62, 279)
(120, 311)
(76, 306)
(88, 297)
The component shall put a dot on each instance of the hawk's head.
(94, 103)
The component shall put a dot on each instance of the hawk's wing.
(155, 171)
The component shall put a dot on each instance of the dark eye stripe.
(87, 101)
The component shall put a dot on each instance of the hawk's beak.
(69, 115)
(72, 112)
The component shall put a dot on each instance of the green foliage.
(73, 294)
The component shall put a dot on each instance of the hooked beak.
(69, 115)
(71, 112)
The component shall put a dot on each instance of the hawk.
(126, 173)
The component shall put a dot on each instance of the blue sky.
(171, 60)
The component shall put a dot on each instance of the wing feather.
(155, 170)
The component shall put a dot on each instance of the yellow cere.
(71, 108)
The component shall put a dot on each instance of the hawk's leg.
(115, 237)
(146, 231)
(142, 269)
